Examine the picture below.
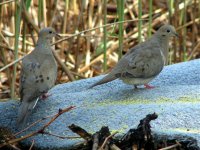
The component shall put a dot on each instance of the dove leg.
(148, 86)
(44, 96)
(135, 86)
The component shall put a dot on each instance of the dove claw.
(45, 96)
(149, 86)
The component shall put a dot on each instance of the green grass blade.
(184, 32)
(105, 36)
(28, 4)
(120, 9)
(150, 17)
(140, 21)
(40, 11)
(17, 33)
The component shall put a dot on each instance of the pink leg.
(44, 96)
(148, 86)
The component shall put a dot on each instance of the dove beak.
(58, 36)
(176, 35)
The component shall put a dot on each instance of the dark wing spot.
(36, 81)
(33, 65)
(23, 78)
(47, 78)
(134, 67)
(38, 66)
(21, 94)
(163, 35)
(41, 76)
(42, 80)
(126, 74)
(118, 75)
(143, 69)
(36, 77)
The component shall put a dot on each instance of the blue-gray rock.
(176, 99)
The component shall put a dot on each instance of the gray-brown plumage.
(38, 74)
(143, 62)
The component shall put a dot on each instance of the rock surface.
(176, 99)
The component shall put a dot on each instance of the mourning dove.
(143, 62)
(38, 74)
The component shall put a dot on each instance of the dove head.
(47, 33)
(167, 31)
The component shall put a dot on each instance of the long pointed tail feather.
(106, 79)
(24, 112)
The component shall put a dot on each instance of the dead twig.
(88, 30)
(8, 48)
(12, 63)
(14, 147)
(40, 131)
(106, 140)
(33, 124)
(62, 137)
(33, 142)
(80, 131)
(194, 50)
(79, 75)
(6, 2)
(66, 70)
(114, 147)
(171, 147)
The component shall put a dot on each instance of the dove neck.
(45, 45)
(43, 41)
(163, 41)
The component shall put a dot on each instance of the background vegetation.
(87, 53)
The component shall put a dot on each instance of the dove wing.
(141, 63)
(36, 77)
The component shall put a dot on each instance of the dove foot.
(148, 86)
(44, 96)
(135, 86)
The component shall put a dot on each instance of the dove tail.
(24, 112)
(106, 79)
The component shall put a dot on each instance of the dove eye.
(168, 31)
(50, 32)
